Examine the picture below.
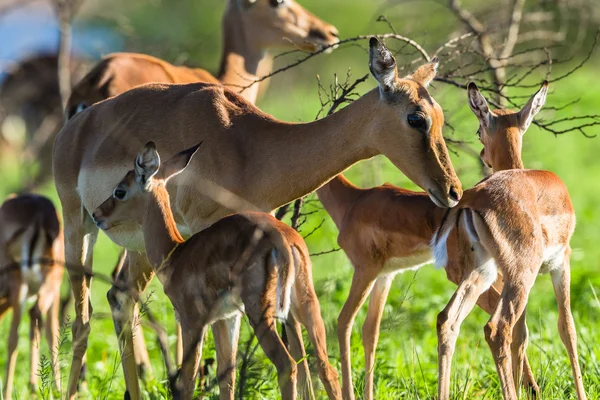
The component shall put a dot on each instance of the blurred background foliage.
(189, 32)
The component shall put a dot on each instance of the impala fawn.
(516, 224)
(386, 230)
(247, 262)
(30, 251)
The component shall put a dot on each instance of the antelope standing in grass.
(516, 224)
(250, 166)
(30, 255)
(385, 230)
(248, 262)
(250, 28)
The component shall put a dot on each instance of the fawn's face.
(409, 125)
(501, 131)
(280, 23)
(145, 183)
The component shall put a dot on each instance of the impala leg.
(137, 273)
(226, 334)
(79, 244)
(193, 338)
(35, 317)
(298, 352)
(308, 313)
(520, 337)
(362, 282)
(142, 359)
(18, 298)
(488, 303)
(370, 329)
(499, 330)
(52, 332)
(260, 311)
(450, 319)
(561, 279)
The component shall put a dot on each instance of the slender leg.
(460, 305)
(499, 330)
(52, 332)
(362, 282)
(179, 345)
(561, 279)
(35, 317)
(298, 352)
(193, 337)
(309, 314)
(18, 297)
(137, 273)
(79, 244)
(518, 346)
(370, 329)
(226, 334)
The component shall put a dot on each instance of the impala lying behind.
(247, 262)
(30, 251)
(255, 162)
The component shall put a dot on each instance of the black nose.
(317, 34)
(453, 194)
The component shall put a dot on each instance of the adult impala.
(250, 28)
(253, 161)
(385, 230)
(248, 262)
(30, 251)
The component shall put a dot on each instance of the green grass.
(406, 365)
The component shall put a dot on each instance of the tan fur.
(242, 262)
(248, 32)
(29, 223)
(252, 162)
(385, 230)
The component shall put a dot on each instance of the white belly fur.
(412, 262)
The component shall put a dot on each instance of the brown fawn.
(31, 247)
(248, 262)
(386, 230)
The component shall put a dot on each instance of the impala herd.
(227, 165)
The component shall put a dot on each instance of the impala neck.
(510, 160)
(160, 232)
(330, 145)
(241, 58)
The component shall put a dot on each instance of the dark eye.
(416, 120)
(277, 3)
(119, 194)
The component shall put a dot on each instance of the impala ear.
(479, 105)
(425, 73)
(146, 165)
(533, 106)
(176, 164)
(382, 65)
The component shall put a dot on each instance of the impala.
(247, 262)
(250, 28)
(385, 230)
(30, 248)
(253, 162)
(517, 224)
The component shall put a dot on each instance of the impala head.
(501, 131)
(280, 23)
(409, 126)
(145, 183)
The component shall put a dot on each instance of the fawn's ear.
(425, 73)
(177, 163)
(146, 164)
(479, 105)
(382, 65)
(533, 106)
